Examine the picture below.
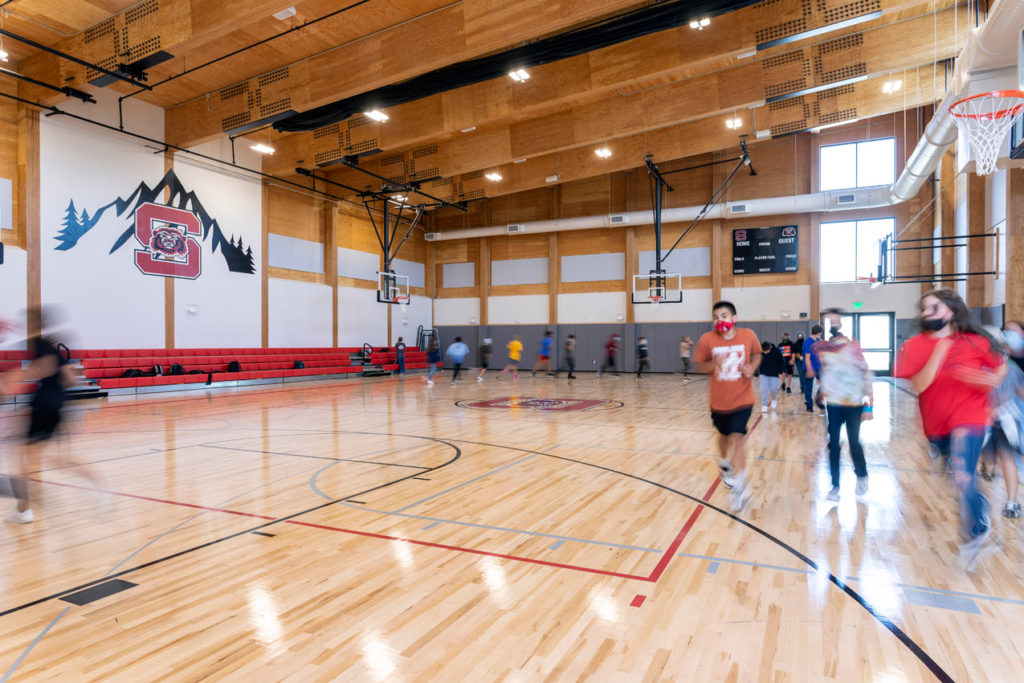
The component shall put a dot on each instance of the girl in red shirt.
(953, 365)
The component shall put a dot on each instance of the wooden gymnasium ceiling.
(778, 66)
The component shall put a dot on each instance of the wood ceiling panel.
(62, 16)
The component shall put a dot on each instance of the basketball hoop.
(401, 300)
(656, 298)
(985, 120)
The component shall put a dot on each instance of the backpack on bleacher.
(176, 369)
(298, 365)
(234, 366)
(158, 370)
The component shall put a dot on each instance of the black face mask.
(933, 324)
(833, 331)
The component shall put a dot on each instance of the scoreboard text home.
(765, 250)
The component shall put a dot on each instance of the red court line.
(638, 600)
(659, 569)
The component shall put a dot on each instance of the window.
(857, 164)
(849, 249)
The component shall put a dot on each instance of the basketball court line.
(316, 457)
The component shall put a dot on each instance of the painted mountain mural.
(237, 256)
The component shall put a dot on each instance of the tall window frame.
(853, 165)
(849, 249)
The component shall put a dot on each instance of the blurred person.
(547, 346)
(52, 374)
(611, 349)
(433, 358)
(643, 356)
(483, 357)
(685, 348)
(786, 349)
(798, 359)
(953, 365)
(731, 355)
(1004, 439)
(457, 352)
(846, 389)
(769, 370)
(1014, 335)
(400, 355)
(515, 354)
(569, 353)
(812, 365)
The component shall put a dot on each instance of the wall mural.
(167, 234)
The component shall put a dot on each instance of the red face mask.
(724, 326)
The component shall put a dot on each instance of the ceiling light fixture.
(3, 55)
(398, 199)
(551, 179)
(468, 130)
(519, 161)
(603, 152)
(519, 75)
(699, 24)
(892, 86)
(261, 148)
(493, 176)
(733, 123)
(376, 115)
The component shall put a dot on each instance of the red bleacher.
(105, 367)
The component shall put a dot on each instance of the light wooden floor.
(379, 531)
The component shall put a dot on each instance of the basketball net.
(985, 120)
(654, 299)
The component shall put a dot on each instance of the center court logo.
(540, 404)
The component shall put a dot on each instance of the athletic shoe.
(971, 552)
(738, 496)
(725, 472)
(14, 516)
(775, 404)
(764, 409)
(430, 382)
(479, 378)
(862, 485)
(571, 377)
(789, 390)
(532, 373)
(810, 409)
(833, 495)
(1012, 510)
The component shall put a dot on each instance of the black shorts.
(731, 423)
(786, 370)
(43, 423)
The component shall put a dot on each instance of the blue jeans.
(400, 357)
(963, 446)
(430, 373)
(800, 371)
(850, 416)
(809, 392)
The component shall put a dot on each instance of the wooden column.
(814, 266)
(169, 341)
(554, 278)
(265, 267)
(329, 217)
(430, 270)
(947, 208)
(484, 275)
(980, 288)
(1015, 246)
(630, 272)
(28, 215)
(716, 260)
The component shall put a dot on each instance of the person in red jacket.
(611, 349)
(953, 365)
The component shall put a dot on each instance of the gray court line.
(25, 653)
(469, 481)
(318, 457)
(977, 596)
(560, 538)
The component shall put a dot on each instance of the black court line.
(263, 533)
(885, 621)
(306, 455)
(259, 527)
(421, 479)
(359, 502)
(98, 592)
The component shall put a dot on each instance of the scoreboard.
(765, 250)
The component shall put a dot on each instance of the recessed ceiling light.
(376, 115)
(285, 13)
(551, 179)
(493, 176)
(519, 161)
(519, 75)
(892, 86)
(261, 148)
(699, 24)
(733, 123)
(603, 152)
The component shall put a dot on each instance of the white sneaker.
(14, 516)
(479, 378)
(833, 495)
(430, 382)
(971, 552)
(738, 496)
(862, 485)
(725, 472)
(764, 409)
(775, 404)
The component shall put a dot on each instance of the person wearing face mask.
(1014, 336)
(731, 355)
(953, 365)
(846, 390)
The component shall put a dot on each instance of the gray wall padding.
(520, 271)
(295, 254)
(689, 262)
(594, 267)
(458, 275)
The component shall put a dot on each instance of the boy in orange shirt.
(731, 355)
